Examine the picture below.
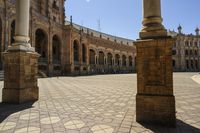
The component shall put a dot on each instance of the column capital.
(152, 20)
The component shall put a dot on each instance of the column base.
(17, 96)
(20, 77)
(153, 34)
(153, 109)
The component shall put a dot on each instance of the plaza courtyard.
(98, 104)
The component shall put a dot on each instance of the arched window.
(173, 52)
(92, 57)
(196, 52)
(38, 5)
(84, 53)
(12, 33)
(186, 43)
(196, 64)
(191, 52)
(187, 64)
(186, 52)
(192, 64)
(41, 43)
(123, 60)
(76, 51)
(56, 49)
(110, 59)
(55, 5)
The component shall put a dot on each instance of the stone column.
(155, 102)
(20, 62)
(152, 20)
(22, 27)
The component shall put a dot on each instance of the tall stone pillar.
(20, 62)
(155, 102)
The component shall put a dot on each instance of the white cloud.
(87, 0)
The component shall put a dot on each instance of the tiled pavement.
(97, 104)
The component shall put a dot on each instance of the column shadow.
(8, 109)
(181, 127)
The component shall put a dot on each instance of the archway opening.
(117, 60)
(41, 44)
(101, 58)
(12, 32)
(124, 60)
(130, 61)
(84, 52)
(76, 51)
(56, 49)
(92, 57)
(110, 59)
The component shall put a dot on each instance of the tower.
(197, 31)
(179, 29)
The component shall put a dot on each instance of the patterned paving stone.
(74, 124)
(98, 104)
(29, 116)
(6, 126)
(50, 120)
(102, 129)
(28, 130)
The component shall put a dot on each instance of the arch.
(41, 43)
(124, 60)
(101, 58)
(56, 52)
(84, 53)
(76, 51)
(130, 60)
(12, 32)
(117, 59)
(92, 57)
(109, 60)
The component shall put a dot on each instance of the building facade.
(186, 51)
(66, 48)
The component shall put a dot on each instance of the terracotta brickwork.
(155, 101)
(53, 40)
(20, 78)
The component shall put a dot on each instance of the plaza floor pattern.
(98, 104)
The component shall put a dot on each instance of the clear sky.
(123, 17)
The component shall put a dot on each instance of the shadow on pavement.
(181, 127)
(8, 109)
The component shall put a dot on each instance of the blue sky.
(123, 17)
